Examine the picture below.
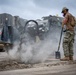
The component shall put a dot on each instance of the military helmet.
(64, 8)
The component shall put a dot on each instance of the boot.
(71, 58)
(65, 59)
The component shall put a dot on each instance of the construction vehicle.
(7, 32)
(11, 29)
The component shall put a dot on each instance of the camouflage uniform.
(68, 42)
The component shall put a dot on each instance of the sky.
(35, 9)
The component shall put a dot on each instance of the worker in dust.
(68, 41)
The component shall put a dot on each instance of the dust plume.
(35, 52)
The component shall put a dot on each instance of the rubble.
(13, 64)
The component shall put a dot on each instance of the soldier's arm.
(65, 20)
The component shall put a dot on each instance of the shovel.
(57, 53)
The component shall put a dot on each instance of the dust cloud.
(35, 52)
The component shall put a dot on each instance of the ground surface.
(50, 67)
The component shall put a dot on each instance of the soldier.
(68, 40)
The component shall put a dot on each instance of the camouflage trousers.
(68, 43)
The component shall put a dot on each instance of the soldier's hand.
(62, 25)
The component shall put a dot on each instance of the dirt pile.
(12, 65)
